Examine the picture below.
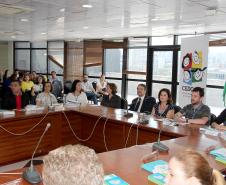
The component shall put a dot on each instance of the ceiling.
(69, 20)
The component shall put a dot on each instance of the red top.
(18, 102)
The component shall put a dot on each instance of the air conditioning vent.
(6, 9)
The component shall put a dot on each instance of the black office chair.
(94, 83)
(123, 104)
(176, 109)
(212, 118)
(67, 86)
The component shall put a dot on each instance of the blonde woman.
(191, 168)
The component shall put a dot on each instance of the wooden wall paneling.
(74, 62)
(93, 52)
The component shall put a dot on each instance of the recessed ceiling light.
(85, 27)
(24, 20)
(60, 19)
(87, 6)
(43, 33)
(62, 10)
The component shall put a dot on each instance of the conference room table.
(121, 142)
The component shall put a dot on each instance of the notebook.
(158, 166)
(157, 178)
(114, 180)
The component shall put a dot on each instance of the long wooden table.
(82, 120)
(122, 161)
(126, 163)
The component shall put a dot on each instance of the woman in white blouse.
(102, 85)
(76, 96)
(46, 98)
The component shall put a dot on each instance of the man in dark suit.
(142, 103)
(15, 98)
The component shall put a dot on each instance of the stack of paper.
(159, 170)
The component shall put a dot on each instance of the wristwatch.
(187, 120)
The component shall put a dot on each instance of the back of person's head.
(195, 165)
(74, 84)
(200, 90)
(72, 165)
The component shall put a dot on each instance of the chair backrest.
(123, 104)
(94, 85)
(212, 118)
(67, 86)
(176, 109)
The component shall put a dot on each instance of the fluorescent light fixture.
(87, 6)
(62, 10)
(24, 20)
(60, 19)
(13, 36)
(43, 33)
(85, 27)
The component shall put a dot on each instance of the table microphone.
(127, 113)
(31, 175)
(159, 146)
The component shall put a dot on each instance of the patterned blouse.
(164, 113)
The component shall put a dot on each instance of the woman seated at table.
(46, 98)
(164, 108)
(191, 168)
(111, 100)
(220, 122)
(76, 95)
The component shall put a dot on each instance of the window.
(214, 97)
(216, 74)
(113, 63)
(93, 71)
(39, 62)
(56, 57)
(33, 57)
(22, 59)
(162, 65)
(137, 60)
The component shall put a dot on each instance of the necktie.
(138, 104)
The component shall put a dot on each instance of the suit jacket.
(9, 100)
(147, 105)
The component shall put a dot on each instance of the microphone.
(160, 146)
(31, 175)
(127, 113)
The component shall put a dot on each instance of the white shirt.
(87, 86)
(141, 103)
(46, 99)
(82, 99)
(100, 85)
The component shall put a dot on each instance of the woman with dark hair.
(164, 108)
(46, 98)
(76, 95)
(39, 84)
(111, 100)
